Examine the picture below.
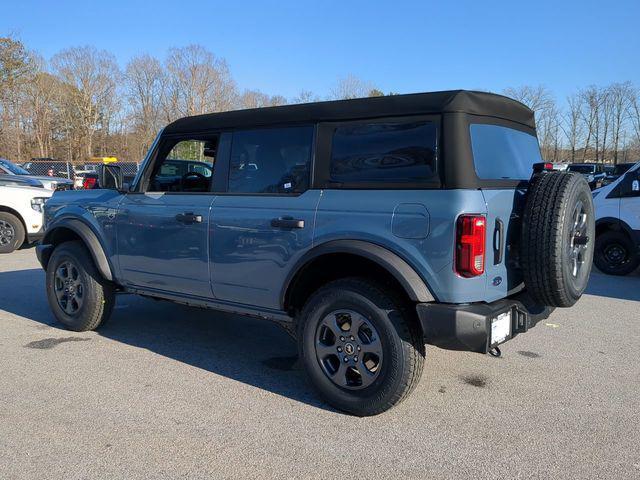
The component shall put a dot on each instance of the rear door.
(163, 229)
(265, 220)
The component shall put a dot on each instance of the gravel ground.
(164, 391)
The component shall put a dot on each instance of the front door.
(630, 201)
(163, 228)
(264, 222)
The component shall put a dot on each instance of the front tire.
(616, 254)
(378, 335)
(78, 295)
(12, 232)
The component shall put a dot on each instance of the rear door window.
(503, 153)
(384, 152)
(271, 160)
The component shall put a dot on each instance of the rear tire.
(376, 331)
(78, 295)
(558, 233)
(616, 253)
(12, 232)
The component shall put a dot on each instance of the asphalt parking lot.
(164, 391)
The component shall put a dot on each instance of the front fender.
(59, 228)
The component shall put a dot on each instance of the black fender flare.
(415, 287)
(617, 224)
(87, 235)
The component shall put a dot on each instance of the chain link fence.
(55, 168)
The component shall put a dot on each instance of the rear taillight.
(470, 245)
(88, 183)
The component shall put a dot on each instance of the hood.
(34, 191)
(45, 178)
(20, 181)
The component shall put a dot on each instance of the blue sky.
(281, 47)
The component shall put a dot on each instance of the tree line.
(81, 104)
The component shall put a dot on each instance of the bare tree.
(572, 125)
(92, 75)
(145, 84)
(621, 95)
(16, 70)
(305, 96)
(42, 100)
(633, 110)
(589, 116)
(541, 101)
(350, 87)
(197, 82)
(253, 99)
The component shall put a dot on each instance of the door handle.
(287, 222)
(498, 242)
(188, 218)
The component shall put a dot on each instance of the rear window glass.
(503, 153)
(384, 152)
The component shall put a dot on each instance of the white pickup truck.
(20, 214)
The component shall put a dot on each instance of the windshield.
(582, 168)
(11, 167)
(502, 152)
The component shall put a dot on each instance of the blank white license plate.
(501, 328)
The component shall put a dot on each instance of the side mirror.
(110, 177)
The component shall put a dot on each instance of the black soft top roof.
(463, 101)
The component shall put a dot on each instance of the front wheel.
(616, 254)
(360, 345)
(11, 232)
(78, 295)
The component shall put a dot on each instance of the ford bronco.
(367, 227)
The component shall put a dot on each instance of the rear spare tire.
(558, 237)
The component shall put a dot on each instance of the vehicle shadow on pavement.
(624, 288)
(248, 350)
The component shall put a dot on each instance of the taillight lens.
(88, 183)
(470, 245)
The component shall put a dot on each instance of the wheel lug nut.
(346, 359)
(352, 338)
(358, 347)
(339, 349)
(355, 359)
(342, 339)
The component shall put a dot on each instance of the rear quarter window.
(503, 153)
(384, 152)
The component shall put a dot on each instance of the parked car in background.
(81, 173)
(365, 227)
(86, 176)
(618, 224)
(616, 172)
(560, 167)
(51, 182)
(20, 181)
(592, 172)
(21, 219)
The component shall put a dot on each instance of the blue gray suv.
(367, 228)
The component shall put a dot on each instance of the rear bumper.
(468, 326)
